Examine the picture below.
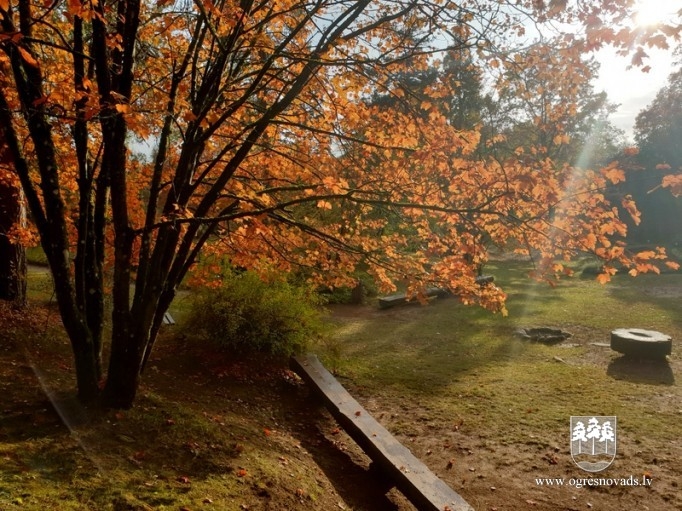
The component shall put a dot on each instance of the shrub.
(248, 315)
(365, 288)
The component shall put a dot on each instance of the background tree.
(554, 108)
(658, 130)
(265, 150)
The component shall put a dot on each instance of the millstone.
(638, 342)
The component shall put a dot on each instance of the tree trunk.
(12, 255)
(12, 271)
(123, 375)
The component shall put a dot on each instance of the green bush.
(248, 315)
(365, 288)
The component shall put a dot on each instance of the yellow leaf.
(4, 5)
(121, 108)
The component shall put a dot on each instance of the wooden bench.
(400, 298)
(412, 477)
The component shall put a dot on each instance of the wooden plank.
(400, 298)
(412, 477)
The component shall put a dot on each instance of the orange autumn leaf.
(674, 183)
(603, 278)
(614, 175)
(27, 57)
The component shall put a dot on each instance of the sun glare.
(652, 12)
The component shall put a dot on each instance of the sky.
(632, 89)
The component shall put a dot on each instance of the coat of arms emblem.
(593, 441)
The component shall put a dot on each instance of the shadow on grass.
(660, 291)
(424, 349)
(635, 370)
(191, 437)
(355, 483)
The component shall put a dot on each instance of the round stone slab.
(642, 343)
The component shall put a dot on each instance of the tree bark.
(12, 254)
(12, 272)
(123, 376)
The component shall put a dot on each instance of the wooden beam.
(412, 477)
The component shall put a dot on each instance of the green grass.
(445, 372)
(36, 256)
(466, 362)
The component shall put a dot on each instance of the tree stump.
(637, 342)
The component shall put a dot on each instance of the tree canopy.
(150, 136)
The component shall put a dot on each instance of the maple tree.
(152, 136)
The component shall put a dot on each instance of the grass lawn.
(488, 412)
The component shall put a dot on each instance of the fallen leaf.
(358, 413)
(183, 479)
(450, 464)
